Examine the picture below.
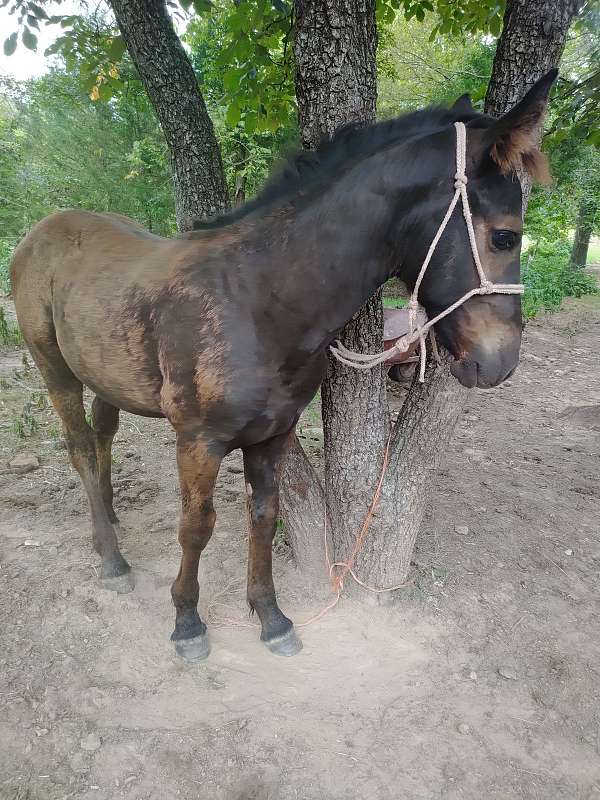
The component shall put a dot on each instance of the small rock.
(91, 743)
(568, 552)
(463, 728)
(24, 462)
(508, 673)
(31, 543)
(463, 530)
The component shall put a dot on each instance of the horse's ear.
(513, 140)
(463, 105)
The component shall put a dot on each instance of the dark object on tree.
(167, 75)
(396, 323)
(208, 331)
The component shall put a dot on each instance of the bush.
(6, 251)
(549, 277)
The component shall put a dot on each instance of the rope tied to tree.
(364, 361)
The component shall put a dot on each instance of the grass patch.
(9, 334)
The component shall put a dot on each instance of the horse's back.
(74, 240)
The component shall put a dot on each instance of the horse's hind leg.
(262, 464)
(198, 466)
(105, 421)
(66, 394)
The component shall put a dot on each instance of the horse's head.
(483, 334)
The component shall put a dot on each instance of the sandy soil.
(482, 681)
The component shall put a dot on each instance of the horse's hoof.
(287, 645)
(121, 584)
(193, 650)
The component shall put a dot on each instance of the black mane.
(308, 168)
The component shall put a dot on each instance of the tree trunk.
(335, 46)
(583, 234)
(166, 72)
(334, 80)
(532, 42)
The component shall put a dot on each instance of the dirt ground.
(481, 681)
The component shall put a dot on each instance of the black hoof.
(288, 644)
(121, 584)
(193, 650)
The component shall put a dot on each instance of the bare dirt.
(481, 681)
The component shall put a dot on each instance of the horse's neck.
(335, 254)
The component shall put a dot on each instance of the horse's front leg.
(198, 464)
(262, 464)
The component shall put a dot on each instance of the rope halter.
(416, 332)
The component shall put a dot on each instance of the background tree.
(166, 72)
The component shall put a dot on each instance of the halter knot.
(460, 179)
(487, 287)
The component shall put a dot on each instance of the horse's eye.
(504, 240)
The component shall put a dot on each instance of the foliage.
(453, 17)
(548, 277)
(6, 251)
(419, 72)
(9, 334)
(67, 151)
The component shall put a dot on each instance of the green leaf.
(116, 49)
(202, 6)
(10, 44)
(234, 114)
(38, 11)
(594, 138)
(31, 20)
(231, 79)
(495, 25)
(105, 92)
(185, 4)
(29, 39)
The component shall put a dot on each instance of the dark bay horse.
(224, 330)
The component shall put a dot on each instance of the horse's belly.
(121, 368)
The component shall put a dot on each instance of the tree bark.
(583, 233)
(335, 46)
(166, 72)
(355, 414)
(532, 41)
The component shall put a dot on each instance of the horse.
(224, 330)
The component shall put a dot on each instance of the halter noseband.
(370, 360)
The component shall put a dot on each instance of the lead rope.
(418, 333)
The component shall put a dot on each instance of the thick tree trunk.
(532, 42)
(335, 46)
(169, 79)
(355, 416)
(583, 234)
